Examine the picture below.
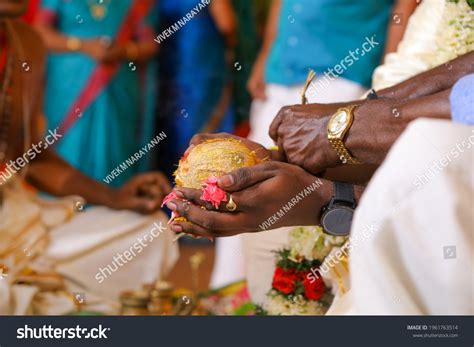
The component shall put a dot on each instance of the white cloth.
(434, 35)
(417, 259)
(228, 265)
(90, 241)
(411, 56)
(45, 236)
(258, 261)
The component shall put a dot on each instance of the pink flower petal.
(168, 197)
(212, 193)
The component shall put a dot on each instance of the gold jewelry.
(98, 9)
(73, 44)
(231, 205)
(337, 128)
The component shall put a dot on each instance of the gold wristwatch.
(338, 126)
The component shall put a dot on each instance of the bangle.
(73, 44)
(131, 50)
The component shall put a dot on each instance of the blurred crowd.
(110, 87)
(120, 72)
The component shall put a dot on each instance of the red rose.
(301, 275)
(284, 280)
(314, 290)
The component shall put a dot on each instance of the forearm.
(432, 81)
(142, 51)
(355, 174)
(431, 106)
(401, 12)
(271, 29)
(224, 17)
(51, 174)
(385, 120)
(53, 40)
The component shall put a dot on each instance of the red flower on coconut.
(314, 290)
(284, 280)
(212, 193)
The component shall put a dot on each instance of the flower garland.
(455, 35)
(298, 287)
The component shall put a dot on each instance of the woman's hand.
(95, 48)
(143, 193)
(268, 196)
(301, 134)
(256, 84)
(104, 52)
(115, 53)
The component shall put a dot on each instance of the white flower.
(455, 35)
(311, 243)
(277, 304)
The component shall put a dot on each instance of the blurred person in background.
(51, 247)
(341, 41)
(248, 14)
(96, 92)
(196, 92)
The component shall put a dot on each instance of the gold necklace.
(98, 8)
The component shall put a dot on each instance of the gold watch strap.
(342, 152)
(338, 144)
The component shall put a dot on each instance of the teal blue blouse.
(337, 37)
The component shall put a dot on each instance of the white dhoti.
(413, 232)
(100, 252)
(109, 251)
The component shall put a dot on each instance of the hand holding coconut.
(227, 185)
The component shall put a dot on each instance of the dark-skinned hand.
(301, 133)
(259, 193)
(261, 152)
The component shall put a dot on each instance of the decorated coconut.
(213, 158)
(204, 163)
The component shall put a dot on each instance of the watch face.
(337, 221)
(338, 122)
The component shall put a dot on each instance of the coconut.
(202, 165)
(215, 157)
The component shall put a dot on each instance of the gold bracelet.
(73, 44)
